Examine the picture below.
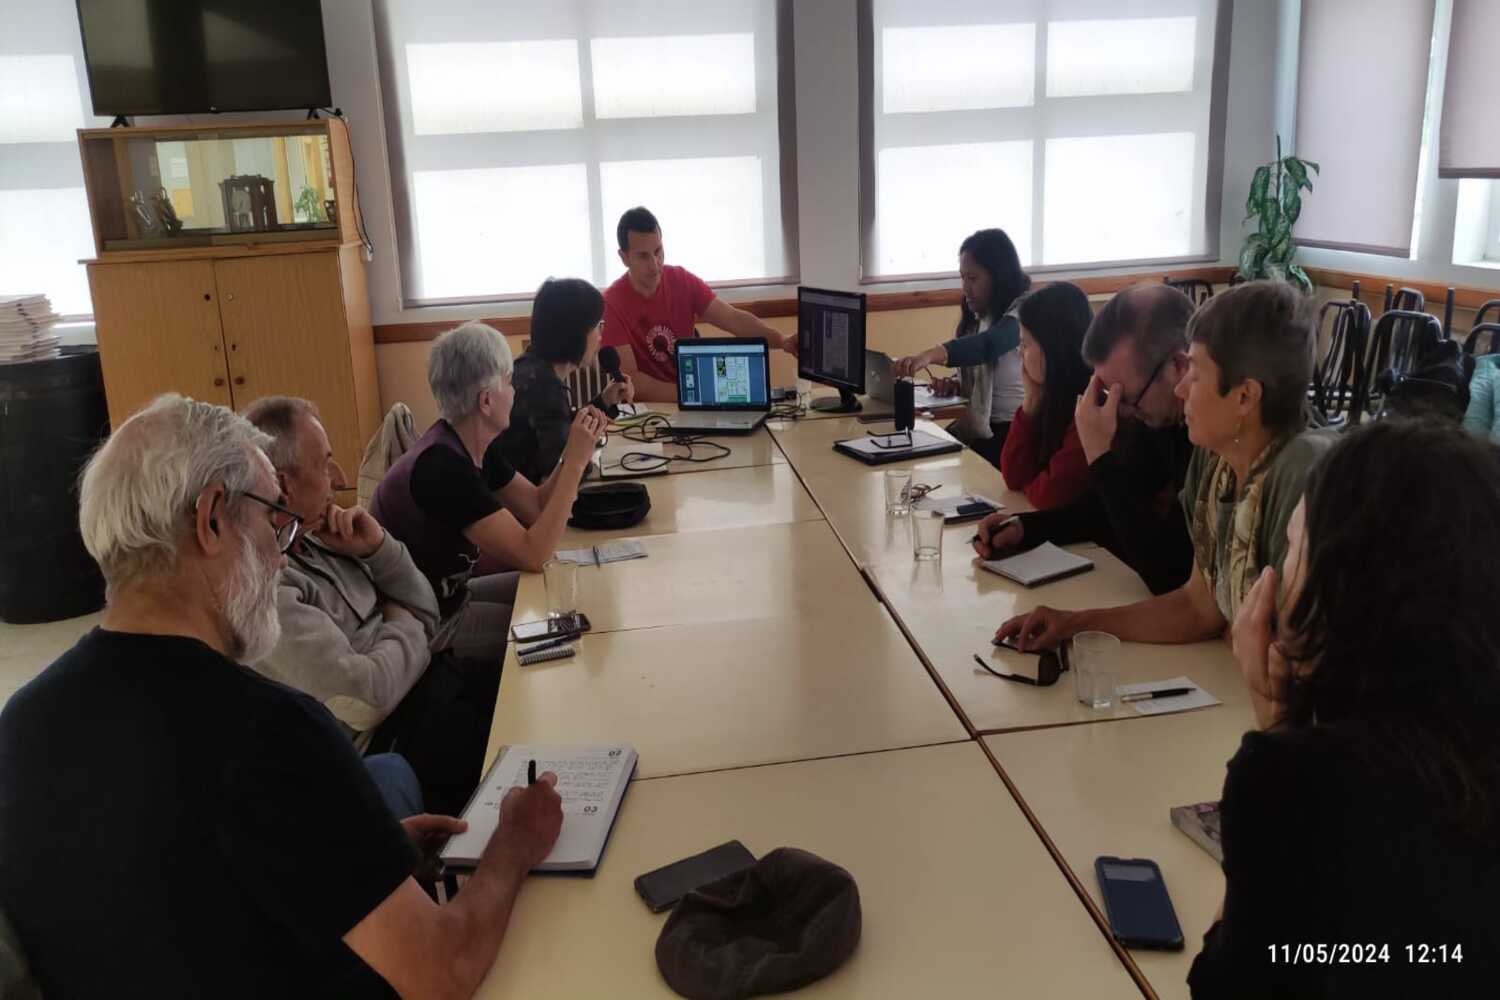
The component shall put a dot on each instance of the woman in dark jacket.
(1360, 822)
(565, 335)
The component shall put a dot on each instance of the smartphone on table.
(662, 888)
(553, 628)
(1135, 900)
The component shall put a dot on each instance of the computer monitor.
(723, 373)
(831, 344)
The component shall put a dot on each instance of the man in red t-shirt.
(653, 305)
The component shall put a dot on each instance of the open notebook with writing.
(1042, 564)
(592, 782)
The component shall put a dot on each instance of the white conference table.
(715, 695)
(952, 609)
(958, 896)
(746, 451)
(775, 571)
(715, 500)
(1107, 790)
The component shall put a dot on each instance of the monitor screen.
(723, 374)
(831, 338)
(162, 57)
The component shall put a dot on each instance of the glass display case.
(180, 188)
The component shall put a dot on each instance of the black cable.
(657, 429)
(359, 212)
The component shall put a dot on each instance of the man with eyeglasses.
(1131, 427)
(357, 620)
(175, 823)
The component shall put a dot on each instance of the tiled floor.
(25, 650)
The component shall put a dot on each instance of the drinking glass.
(1096, 657)
(561, 579)
(898, 492)
(927, 535)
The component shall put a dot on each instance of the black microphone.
(609, 363)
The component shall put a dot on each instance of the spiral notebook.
(591, 780)
(1040, 565)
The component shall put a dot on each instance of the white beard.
(250, 606)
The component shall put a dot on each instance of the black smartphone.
(1135, 900)
(552, 628)
(661, 889)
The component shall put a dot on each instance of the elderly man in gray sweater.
(356, 614)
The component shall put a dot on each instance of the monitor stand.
(847, 402)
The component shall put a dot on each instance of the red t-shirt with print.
(649, 327)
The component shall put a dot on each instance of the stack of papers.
(26, 323)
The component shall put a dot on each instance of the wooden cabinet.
(232, 329)
(231, 317)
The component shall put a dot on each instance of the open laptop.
(723, 385)
(881, 387)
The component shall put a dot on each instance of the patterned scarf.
(1231, 564)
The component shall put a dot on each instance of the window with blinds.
(1091, 133)
(1362, 87)
(519, 132)
(44, 99)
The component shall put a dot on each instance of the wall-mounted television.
(168, 57)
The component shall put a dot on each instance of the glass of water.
(927, 535)
(1096, 658)
(561, 579)
(898, 492)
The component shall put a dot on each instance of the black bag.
(610, 505)
(1438, 385)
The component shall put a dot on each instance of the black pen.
(530, 773)
(997, 528)
(1163, 693)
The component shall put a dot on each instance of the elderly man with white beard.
(176, 824)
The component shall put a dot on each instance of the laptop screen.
(723, 374)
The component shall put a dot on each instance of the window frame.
(1212, 207)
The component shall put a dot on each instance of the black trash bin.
(52, 417)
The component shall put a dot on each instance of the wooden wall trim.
(1436, 293)
(520, 326)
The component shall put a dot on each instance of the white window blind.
(1091, 132)
(519, 132)
(44, 99)
(1469, 145)
(1361, 100)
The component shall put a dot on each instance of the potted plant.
(1276, 202)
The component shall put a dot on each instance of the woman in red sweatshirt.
(1043, 457)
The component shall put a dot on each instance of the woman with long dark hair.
(1367, 809)
(1043, 457)
(984, 342)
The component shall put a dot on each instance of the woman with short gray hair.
(449, 505)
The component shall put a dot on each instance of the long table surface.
(952, 607)
(713, 500)
(959, 897)
(775, 571)
(731, 693)
(1108, 789)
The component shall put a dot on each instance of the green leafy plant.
(309, 205)
(1276, 202)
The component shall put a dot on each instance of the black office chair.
(1401, 338)
(1480, 328)
(1341, 370)
(1482, 335)
(1197, 289)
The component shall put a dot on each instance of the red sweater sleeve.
(1059, 481)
